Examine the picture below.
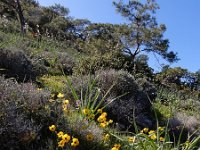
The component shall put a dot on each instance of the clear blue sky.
(182, 18)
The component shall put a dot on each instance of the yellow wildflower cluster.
(102, 119)
(89, 113)
(145, 130)
(152, 133)
(60, 96)
(116, 147)
(64, 138)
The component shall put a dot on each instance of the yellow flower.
(89, 137)
(162, 139)
(160, 128)
(66, 102)
(60, 134)
(104, 114)
(100, 111)
(101, 119)
(103, 124)
(151, 131)
(52, 128)
(131, 139)
(114, 148)
(110, 121)
(153, 136)
(66, 138)
(117, 146)
(145, 130)
(61, 143)
(60, 95)
(86, 111)
(75, 142)
(92, 116)
(106, 137)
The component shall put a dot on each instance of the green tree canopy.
(143, 33)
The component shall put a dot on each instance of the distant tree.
(16, 6)
(60, 10)
(198, 79)
(78, 27)
(142, 33)
(32, 2)
(172, 76)
(104, 37)
(193, 80)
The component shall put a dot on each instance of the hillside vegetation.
(70, 83)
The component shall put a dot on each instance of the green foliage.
(143, 34)
(97, 61)
(180, 79)
(36, 15)
(172, 76)
(104, 37)
(181, 111)
(60, 10)
(142, 68)
(91, 97)
(54, 83)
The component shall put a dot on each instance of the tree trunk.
(21, 17)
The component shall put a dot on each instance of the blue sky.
(182, 18)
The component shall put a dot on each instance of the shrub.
(9, 25)
(23, 116)
(55, 84)
(14, 63)
(56, 62)
(147, 87)
(132, 104)
(185, 126)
